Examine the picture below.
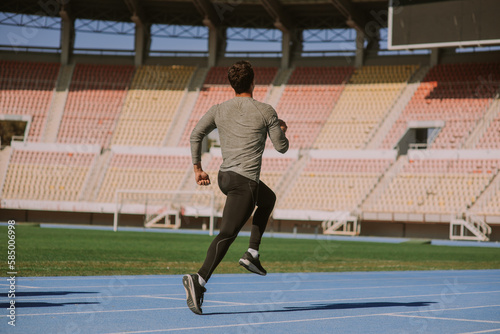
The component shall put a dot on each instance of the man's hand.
(283, 125)
(200, 176)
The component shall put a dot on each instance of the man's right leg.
(265, 204)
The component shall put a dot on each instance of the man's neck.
(245, 94)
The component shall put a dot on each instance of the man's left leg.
(265, 204)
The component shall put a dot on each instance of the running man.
(243, 125)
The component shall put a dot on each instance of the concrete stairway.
(185, 108)
(56, 109)
(278, 86)
(378, 137)
(483, 125)
(4, 165)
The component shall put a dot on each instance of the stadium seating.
(272, 171)
(47, 175)
(365, 101)
(453, 93)
(216, 89)
(308, 99)
(441, 186)
(491, 138)
(334, 184)
(143, 172)
(491, 207)
(26, 88)
(95, 100)
(153, 99)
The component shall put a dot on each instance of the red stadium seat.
(26, 88)
(452, 93)
(94, 102)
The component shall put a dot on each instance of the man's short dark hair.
(240, 76)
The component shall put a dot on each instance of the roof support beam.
(136, 9)
(435, 53)
(142, 41)
(217, 43)
(286, 49)
(291, 46)
(360, 49)
(67, 33)
(217, 40)
(283, 22)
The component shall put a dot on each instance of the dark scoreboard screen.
(417, 24)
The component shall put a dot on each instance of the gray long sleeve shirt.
(243, 125)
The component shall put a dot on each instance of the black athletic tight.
(242, 196)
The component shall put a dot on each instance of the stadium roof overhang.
(281, 14)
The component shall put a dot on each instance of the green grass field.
(68, 252)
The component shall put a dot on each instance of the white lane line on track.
(206, 301)
(485, 331)
(349, 288)
(274, 322)
(22, 286)
(246, 324)
(271, 303)
(290, 275)
(267, 291)
(105, 311)
(451, 309)
(253, 292)
(441, 318)
(100, 295)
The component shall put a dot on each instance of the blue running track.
(358, 302)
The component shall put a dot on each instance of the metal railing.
(418, 146)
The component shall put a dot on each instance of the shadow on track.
(49, 293)
(43, 304)
(342, 306)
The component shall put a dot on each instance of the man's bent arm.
(277, 136)
(203, 128)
